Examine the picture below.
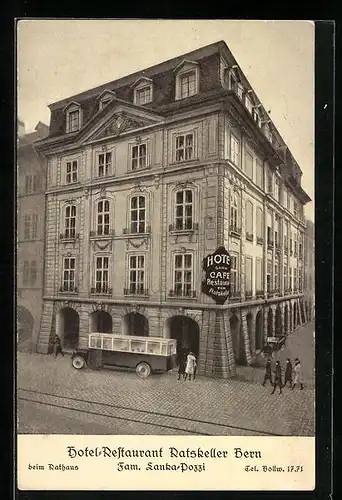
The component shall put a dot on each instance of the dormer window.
(73, 117)
(143, 91)
(105, 98)
(187, 79)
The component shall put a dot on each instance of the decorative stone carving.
(121, 123)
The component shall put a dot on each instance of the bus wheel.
(78, 362)
(143, 370)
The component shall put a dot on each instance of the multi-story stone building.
(146, 176)
(30, 249)
(309, 269)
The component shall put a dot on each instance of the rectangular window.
(34, 226)
(28, 184)
(300, 280)
(103, 218)
(259, 171)
(277, 190)
(36, 183)
(258, 275)
(138, 214)
(143, 95)
(269, 183)
(239, 91)
(235, 150)
(290, 278)
(295, 278)
(248, 103)
(71, 172)
(33, 272)
(269, 236)
(73, 121)
(184, 209)
(276, 276)
(27, 226)
(184, 147)
(295, 208)
(104, 164)
(234, 284)
(249, 165)
(269, 275)
(139, 156)
(285, 277)
(69, 274)
(102, 275)
(187, 84)
(183, 275)
(136, 274)
(26, 273)
(70, 221)
(249, 276)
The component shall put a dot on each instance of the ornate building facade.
(148, 174)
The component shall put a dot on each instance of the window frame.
(140, 290)
(185, 225)
(259, 225)
(72, 163)
(185, 147)
(186, 286)
(104, 284)
(234, 218)
(249, 220)
(234, 274)
(71, 109)
(69, 283)
(233, 154)
(258, 163)
(70, 221)
(100, 227)
(139, 220)
(188, 69)
(249, 259)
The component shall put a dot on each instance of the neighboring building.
(309, 269)
(146, 176)
(30, 234)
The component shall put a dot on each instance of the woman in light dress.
(190, 365)
(298, 374)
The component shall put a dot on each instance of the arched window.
(259, 225)
(103, 217)
(184, 209)
(234, 213)
(70, 221)
(138, 214)
(249, 220)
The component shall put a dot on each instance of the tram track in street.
(135, 415)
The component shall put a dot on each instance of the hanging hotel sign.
(217, 275)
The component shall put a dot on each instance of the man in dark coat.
(277, 378)
(58, 346)
(288, 372)
(181, 368)
(268, 373)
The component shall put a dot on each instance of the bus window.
(137, 346)
(153, 347)
(121, 345)
(108, 344)
(164, 349)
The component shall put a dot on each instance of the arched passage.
(186, 331)
(270, 323)
(235, 332)
(25, 324)
(101, 321)
(278, 323)
(259, 332)
(135, 324)
(69, 322)
(286, 320)
(249, 320)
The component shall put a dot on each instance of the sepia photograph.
(165, 228)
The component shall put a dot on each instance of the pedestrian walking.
(268, 372)
(288, 373)
(277, 378)
(190, 365)
(58, 346)
(181, 367)
(298, 374)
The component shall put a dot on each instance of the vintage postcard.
(166, 269)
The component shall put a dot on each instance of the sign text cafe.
(216, 267)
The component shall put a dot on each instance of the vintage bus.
(144, 354)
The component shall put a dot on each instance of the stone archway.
(135, 323)
(278, 327)
(270, 331)
(286, 320)
(69, 324)
(235, 333)
(259, 332)
(250, 331)
(295, 313)
(187, 333)
(25, 324)
(101, 321)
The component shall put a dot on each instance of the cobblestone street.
(239, 406)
